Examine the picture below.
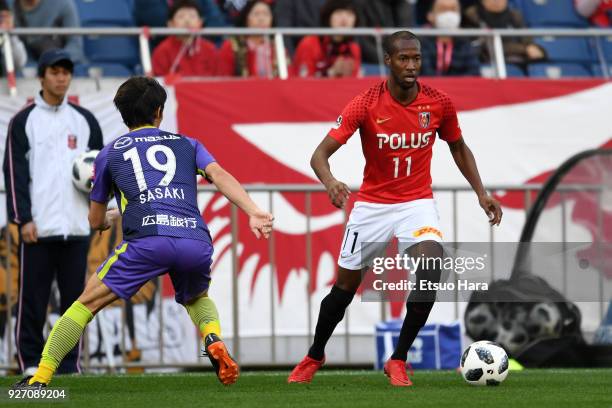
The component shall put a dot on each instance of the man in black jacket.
(297, 14)
(381, 14)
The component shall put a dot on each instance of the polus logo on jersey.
(424, 119)
(404, 140)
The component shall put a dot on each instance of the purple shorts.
(135, 262)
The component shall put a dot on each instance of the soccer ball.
(82, 170)
(484, 363)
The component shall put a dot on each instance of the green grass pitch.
(331, 388)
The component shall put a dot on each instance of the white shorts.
(410, 223)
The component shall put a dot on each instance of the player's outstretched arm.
(467, 165)
(259, 221)
(338, 191)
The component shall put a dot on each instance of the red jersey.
(397, 140)
(172, 56)
(314, 56)
(602, 16)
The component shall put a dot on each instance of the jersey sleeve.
(203, 158)
(449, 129)
(102, 182)
(349, 121)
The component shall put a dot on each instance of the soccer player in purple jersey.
(152, 174)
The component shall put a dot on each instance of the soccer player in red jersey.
(398, 120)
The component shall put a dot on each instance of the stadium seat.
(130, 4)
(551, 13)
(102, 70)
(512, 71)
(597, 70)
(97, 13)
(116, 49)
(372, 70)
(567, 49)
(606, 47)
(556, 71)
(138, 70)
(516, 4)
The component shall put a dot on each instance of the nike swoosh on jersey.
(381, 121)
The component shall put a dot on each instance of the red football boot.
(396, 371)
(305, 370)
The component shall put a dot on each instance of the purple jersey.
(152, 174)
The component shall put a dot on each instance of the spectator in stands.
(330, 56)
(250, 55)
(154, 13)
(381, 13)
(297, 13)
(599, 12)
(49, 13)
(233, 8)
(187, 55)
(497, 14)
(447, 55)
(422, 7)
(20, 56)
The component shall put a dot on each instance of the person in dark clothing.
(422, 7)
(448, 56)
(497, 14)
(330, 56)
(155, 13)
(297, 13)
(381, 13)
(232, 9)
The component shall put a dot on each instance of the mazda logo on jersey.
(122, 143)
(424, 119)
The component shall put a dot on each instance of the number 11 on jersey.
(396, 161)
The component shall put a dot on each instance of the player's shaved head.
(392, 42)
(139, 99)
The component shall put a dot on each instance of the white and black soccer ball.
(83, 170)
(484, 363)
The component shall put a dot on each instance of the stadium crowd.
(312, 56)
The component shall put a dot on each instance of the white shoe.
(30, 371)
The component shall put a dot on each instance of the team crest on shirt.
(424, 119)
(72, 142)
(338, 122)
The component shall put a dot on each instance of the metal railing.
(308, 190)
(494, 36)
